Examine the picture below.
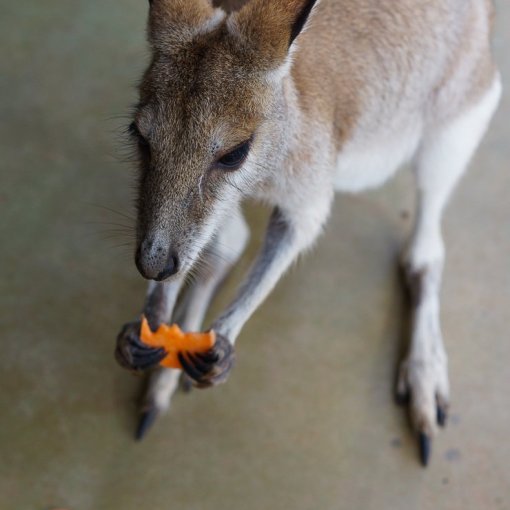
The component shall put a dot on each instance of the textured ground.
(307, 420)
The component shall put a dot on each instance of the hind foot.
(423, 386)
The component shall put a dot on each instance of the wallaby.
(286, 101)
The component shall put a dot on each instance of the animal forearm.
(160, 302)
(281, 247)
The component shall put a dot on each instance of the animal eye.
(235, 158)
(135, 133)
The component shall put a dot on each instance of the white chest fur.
(368, 161)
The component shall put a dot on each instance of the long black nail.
(208, 357)
(425, 444)
(146, 421)
(199, 363)
(402, 399)
(441, 416)
(144, 351)
(189, 368)
(147, 361)
(186, 383)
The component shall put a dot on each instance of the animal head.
(206, 120)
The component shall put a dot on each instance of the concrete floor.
(327, 436)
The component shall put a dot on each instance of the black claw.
(189, 368)
(209, 357)
(425, 448)
(135, 341)
(145, 423)
(402, 399)
(148, 360)
(143, 351)
(186, 383)
(441, 416)
(199, 364)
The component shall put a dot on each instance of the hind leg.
(442, 159)
(224, 252)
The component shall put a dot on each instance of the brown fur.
(195, 83)
(229, 5)
(368, 85)
(361, 45)
(208, 88)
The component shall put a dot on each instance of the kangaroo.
(288, 101)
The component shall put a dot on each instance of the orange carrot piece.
(174, 340)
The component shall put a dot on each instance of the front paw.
(132, 353)
(212, 367)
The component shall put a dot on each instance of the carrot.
(174, 340)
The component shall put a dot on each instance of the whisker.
(109, 209)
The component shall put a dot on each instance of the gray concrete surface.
(307, 420)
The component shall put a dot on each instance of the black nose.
(155, 261)
(171, 268)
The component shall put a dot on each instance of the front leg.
(290, 231)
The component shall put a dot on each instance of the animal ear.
(174, 21)
(271, 26)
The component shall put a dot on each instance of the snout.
(156, 260)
